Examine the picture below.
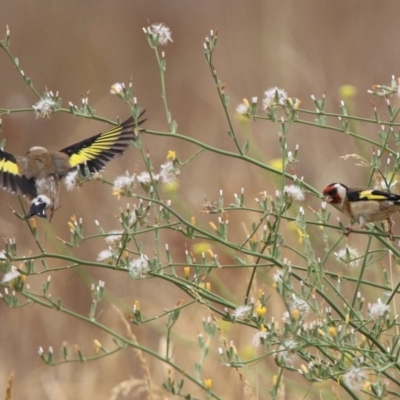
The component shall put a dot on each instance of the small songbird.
(363, 205)
(37, 175)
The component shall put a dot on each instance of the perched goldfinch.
(363, 205)
(38, 174)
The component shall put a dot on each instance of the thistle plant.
(315, 308)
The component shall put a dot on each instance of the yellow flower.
(117, 192)
(295, 313)
(261, 310)
(208, 383)
(302, 235)
(247, 352)
(347, 92)
(199, 248)
(171, 155)
(332, 330)
(277, 163)
(170, 187)
(294, 102)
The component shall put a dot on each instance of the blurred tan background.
(74, 47)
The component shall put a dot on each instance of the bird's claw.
(349, 229)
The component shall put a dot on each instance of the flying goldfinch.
(363, 205)
(38, 174)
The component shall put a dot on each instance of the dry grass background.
(75, 47)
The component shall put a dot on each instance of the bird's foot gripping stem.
(390, 230)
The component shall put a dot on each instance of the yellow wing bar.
(368, 194)
(8, 166)
(105, 142)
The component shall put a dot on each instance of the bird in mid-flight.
(363, 205)
(37, 175)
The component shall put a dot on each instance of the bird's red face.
(334, 193)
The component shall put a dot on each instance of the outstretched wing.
(96, 151)
(12, 177)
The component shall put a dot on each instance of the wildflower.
(104, 255)
(302, 235)
(276, 163)
(44, 107)
(294, 192)
(208, 383)
(278, 275)
(261, 310)
(332, 330)
(159, 33)
(139, 265)
(295, 103)
(242, 108)
(117, 88)
(9, 276)
(171, 155)
(113, 238)
(145, 180)
(132, 218)
(167, 172)
(274, 96)
(124, 184)
(259, 336)
(348, 256)
(299, 304)
(287, 351)
(377, 309)
(241, 311)
(70, 180)
(354, 378)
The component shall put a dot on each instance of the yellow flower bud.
(208, 383)
(97, 345)
(295, 313)
(186, 271)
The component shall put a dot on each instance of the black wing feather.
(97, 150)
(11, 178)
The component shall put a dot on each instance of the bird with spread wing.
(38, 174)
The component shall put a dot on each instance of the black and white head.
(38, 206)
